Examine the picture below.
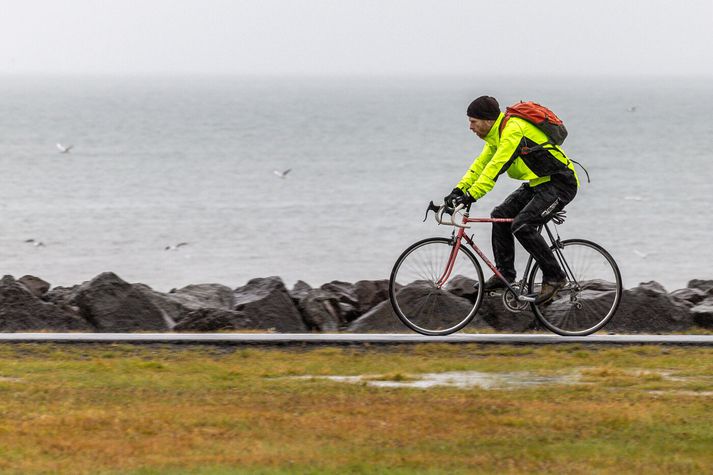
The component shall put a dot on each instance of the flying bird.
(173, 248)
(282, 175)
(642, 255)
(35, 243)
(63, 149)
(631, 109)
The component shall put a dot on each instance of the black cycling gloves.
(456, 193)
(465, 200)
(458, 197)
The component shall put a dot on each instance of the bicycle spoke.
(424, 303)
(591, 297)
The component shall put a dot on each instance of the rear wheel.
(420, 297)
(592, 293)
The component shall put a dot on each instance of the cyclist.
(551, 184)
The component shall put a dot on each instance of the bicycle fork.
(451, 260)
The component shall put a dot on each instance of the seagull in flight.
(642, 255)
(35, 243)
(282, 175)
(173, 248)
(631, 109)
(63, 149)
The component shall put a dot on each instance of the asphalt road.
(281, 339)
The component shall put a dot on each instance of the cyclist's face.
(480, 127)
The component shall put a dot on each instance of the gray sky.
(364, 37)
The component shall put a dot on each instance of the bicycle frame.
(459, 235)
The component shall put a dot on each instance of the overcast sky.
(357, 37)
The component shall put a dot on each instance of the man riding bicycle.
(523, 151)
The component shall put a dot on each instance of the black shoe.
(549, 290)
(493, 283)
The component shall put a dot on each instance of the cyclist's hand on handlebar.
(466, 200)
(449, 199)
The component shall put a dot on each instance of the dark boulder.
(649, 309)
(703, 313)
(370, 293)
(35, 285)
(61, 295)
(64, 298)
(299, 291)
(321, 311)
(463, 287)
(357, 299)
(442, 306)
(380, 319)
(171, 311)
(346, 295)
(704, 285)
(205, 296)
(689, 297)
(214, 319)
(113, 305)
(266, 302)
(20, 310)
(492, 312)
(176, 304)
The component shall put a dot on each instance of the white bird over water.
(631, 109)
(642, 255)
(35, 243)
(173, 248)
(63, 149)
(282, 175)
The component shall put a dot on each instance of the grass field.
(206, 410)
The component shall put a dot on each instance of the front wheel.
(431, 297)
(592, 293)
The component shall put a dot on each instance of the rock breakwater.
(107, 303)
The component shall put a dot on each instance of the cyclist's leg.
(548, 198)
(502, 238)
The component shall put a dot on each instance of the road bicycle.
(430, 274)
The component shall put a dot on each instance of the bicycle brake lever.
(431, 207)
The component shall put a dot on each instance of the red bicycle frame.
(458, 239)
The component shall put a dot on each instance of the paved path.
(349, 338)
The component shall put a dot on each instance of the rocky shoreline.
(107, 303)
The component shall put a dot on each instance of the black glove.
(456, 193)
(465, 200)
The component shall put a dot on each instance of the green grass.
(214, 410)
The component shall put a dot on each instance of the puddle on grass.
(458, 379)
(513, 380)
(680, 392)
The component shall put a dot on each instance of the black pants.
(530, 207)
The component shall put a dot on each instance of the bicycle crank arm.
(527, 298)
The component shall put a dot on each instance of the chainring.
(511, 301)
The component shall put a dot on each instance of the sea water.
(159, 161)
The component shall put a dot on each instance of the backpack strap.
(582, 167)
(544, 146)
(503, 122)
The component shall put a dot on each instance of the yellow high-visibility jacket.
(509, 152)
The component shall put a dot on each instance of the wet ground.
(508, 380)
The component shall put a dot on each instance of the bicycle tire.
(594, 294)
(420, 303)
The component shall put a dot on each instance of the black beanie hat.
(484, 107)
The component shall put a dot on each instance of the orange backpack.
(539, 116)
